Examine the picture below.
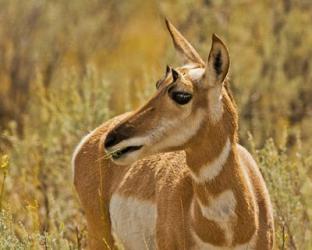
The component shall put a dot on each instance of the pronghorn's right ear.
(183, 46)
(218, 62)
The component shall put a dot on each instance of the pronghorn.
(171, 175)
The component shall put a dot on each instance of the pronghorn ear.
(183, 46)
(168, 69)
(175, 75)
(218, 62)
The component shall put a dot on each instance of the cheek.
(177, 132)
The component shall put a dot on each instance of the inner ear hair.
(217, 64)
(167, 69)
(218, 60)
(175, 75)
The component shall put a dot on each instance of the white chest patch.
(221, 209)
(133, 222)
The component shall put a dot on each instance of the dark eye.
(181, 97)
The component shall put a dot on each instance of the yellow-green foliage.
(67, 66)
(290, 190)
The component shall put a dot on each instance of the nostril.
(111, 140)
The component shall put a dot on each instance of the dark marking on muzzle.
(117, 135)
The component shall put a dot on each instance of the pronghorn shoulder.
(253, 171)
(152, 174)
(245, 156)
(248, 162)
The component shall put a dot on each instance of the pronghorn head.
(188, 99)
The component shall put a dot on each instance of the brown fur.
(166, 178)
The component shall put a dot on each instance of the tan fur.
(232, 210)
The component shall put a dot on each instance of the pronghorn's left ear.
(183, 46)
(218, 62)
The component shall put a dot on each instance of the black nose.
(111, 140)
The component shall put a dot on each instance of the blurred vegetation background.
(67, 66)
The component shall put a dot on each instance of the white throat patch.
(211, 170)
(221, 209)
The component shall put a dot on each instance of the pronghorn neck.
(214, 141)
(212, 153)
(202, 156)
(220, 188)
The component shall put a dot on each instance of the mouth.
(122, 152)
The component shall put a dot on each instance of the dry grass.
(67, 66)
